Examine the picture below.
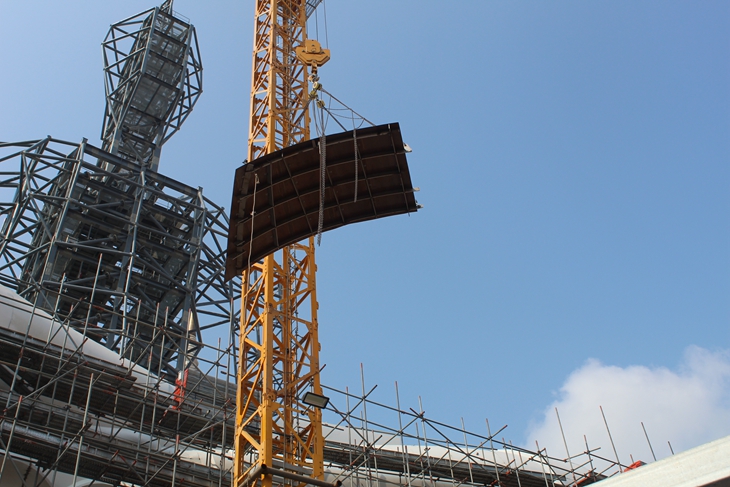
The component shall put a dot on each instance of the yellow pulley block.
(312, 54)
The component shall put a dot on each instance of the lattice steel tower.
(153, 77)
(279, 351)
(102, 240)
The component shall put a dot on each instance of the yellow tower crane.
(277, 434)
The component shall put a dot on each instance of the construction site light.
(315, 400)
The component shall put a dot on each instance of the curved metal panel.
(276, 198)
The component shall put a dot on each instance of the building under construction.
(120, 318)
(77, 411)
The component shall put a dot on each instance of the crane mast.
(279, 344)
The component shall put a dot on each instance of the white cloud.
(686, 407)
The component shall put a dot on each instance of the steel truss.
(280, 357)
(153, 78)
(279, 116)
(130, 257)
(279, 344)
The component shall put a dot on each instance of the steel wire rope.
(331, 111)
(354, 139)
(321, 132)
(253, 215)
(316, 23)
(354, 135)
(326, 32)
(344, 105)
(323, 173)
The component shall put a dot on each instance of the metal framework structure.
(153, 77)
(128, 247)
(129, 265)
(279, 86)
(130, 257)
(74, 410)
(279, 344)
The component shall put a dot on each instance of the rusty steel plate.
(287, 194)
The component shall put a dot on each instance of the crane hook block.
(312, 54)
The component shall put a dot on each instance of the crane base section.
(277, 198)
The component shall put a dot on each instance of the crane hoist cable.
(321, 127)
(323, 174)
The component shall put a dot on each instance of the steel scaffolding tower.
(153, 77)
(130, 249)
(130, 257)
(127, 260)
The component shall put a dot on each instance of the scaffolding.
(130, 257)
(72, 406)
(75, 407)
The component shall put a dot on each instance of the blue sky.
(573, 164)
